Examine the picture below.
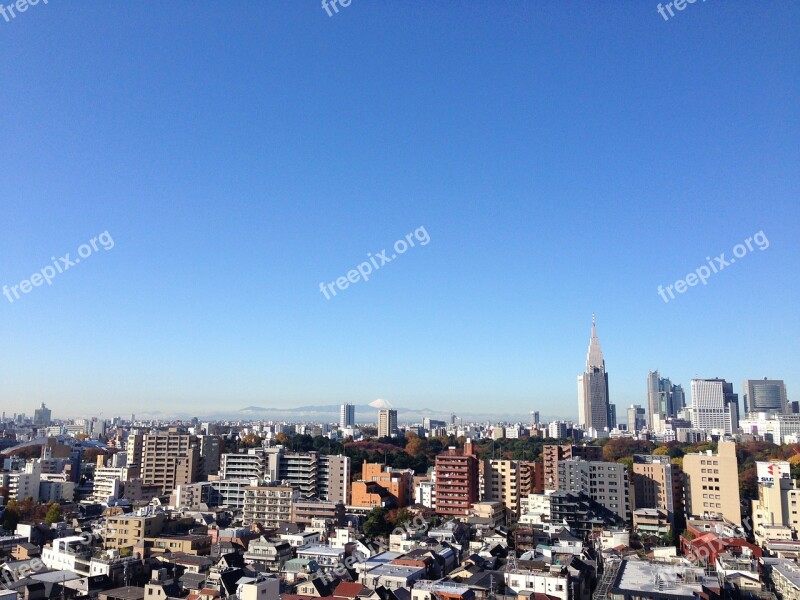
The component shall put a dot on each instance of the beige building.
(125, 531)
(198, 545)
(776, 512)
(658, 484)
(501, 483)
(169, 459)
(488, 512)
(270, 506)
(712, 483)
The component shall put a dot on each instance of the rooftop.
(645, 576)
(789, 571)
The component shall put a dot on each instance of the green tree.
(377, 525)
(11, 516)
(54, 514)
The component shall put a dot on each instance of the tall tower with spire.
(593, 404)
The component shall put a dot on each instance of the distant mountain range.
(366, 413)
(329, 413)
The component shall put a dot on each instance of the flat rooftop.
(652, 578)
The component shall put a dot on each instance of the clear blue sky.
(564, 158)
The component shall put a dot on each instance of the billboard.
(768, 472)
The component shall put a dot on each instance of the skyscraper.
(715, 408)
(41, 416)
(636, 418)
(664, 400)
(764, 395)
(347, 416)
(387, 422)
(593, 406)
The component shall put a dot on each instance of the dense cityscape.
(679, 498)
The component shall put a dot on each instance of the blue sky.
(564, 158)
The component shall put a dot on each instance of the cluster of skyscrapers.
(714, 407)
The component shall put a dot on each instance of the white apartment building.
(271, 506)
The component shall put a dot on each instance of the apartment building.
(210, 451)
(712, 483)
(531, 478)
(248, 465)
(553, 453)
(333, 478)
(604, 482)
(658, 484)
(109, 482)
(456, 481)
(170, 458)
(501, 483)
(270, 506)
(397, 483)
(299, 470)
(305, 511)
(125, 531)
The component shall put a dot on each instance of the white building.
(425, 493)
(68, 554)
(554, 581)
(715, 408)
(775, 428)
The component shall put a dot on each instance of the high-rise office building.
(347, 416)
(41, 416)
(715, 408)
(593, 405)
(387, 422)
(664, 400)
(764, 395)
(637, 419)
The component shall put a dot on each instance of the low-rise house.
(301, 539)
(268, 555)
(393, 576)
(324, 556)
(441, 590)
